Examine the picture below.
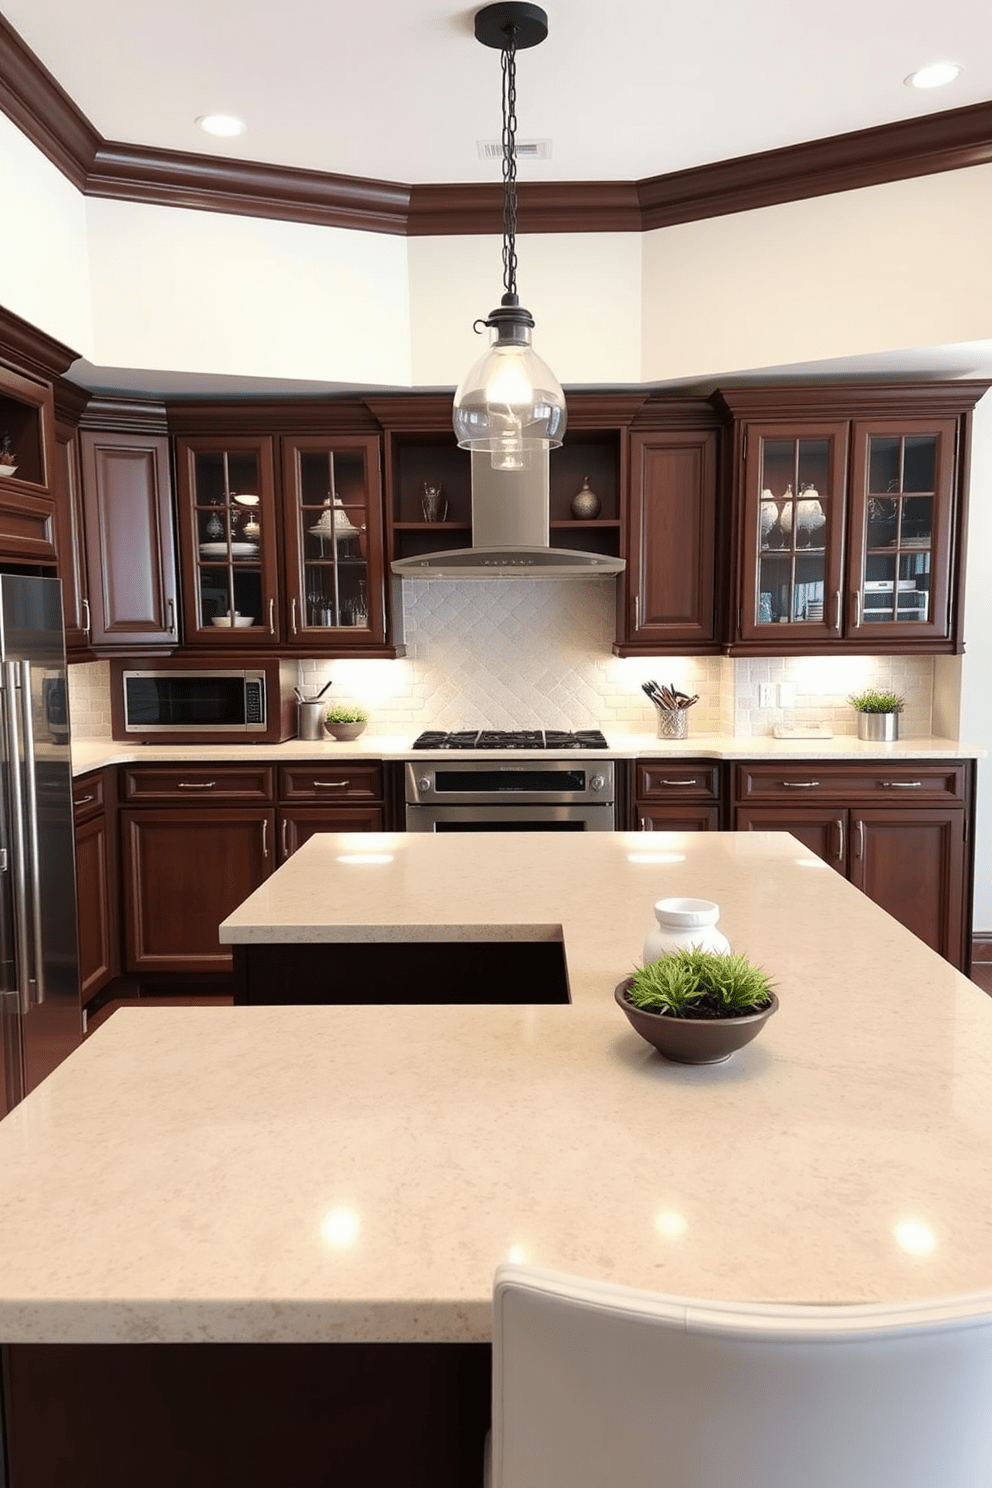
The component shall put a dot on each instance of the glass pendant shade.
(510, 402)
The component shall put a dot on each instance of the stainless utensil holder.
(312, 720)
(673, 723)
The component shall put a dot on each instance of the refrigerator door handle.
(22, 927)
(34, 846)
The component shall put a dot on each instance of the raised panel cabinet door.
(130, 549)
(912, 863)
(183, 872)
(822, 829)
(70, 542)
(96, 919)
(670, 595)
(298, 824)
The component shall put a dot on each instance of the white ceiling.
(400, 90)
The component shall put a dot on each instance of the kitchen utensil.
(239, 621)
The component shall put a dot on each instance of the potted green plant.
(8, 458)
(697, 1006)
(878, 713)
(343, 723)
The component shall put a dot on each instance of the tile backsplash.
(518, 654)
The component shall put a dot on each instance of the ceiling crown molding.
(952, 139)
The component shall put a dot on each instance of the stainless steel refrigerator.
(40, 1017)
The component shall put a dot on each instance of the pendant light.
(509, 403)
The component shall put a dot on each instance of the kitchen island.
(274, 1180)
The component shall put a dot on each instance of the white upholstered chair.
(599, 1386)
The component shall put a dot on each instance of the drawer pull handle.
(195, 784)
(799, 784)
(901, 784)
(680, 782)
(330, 784)
(82, 801)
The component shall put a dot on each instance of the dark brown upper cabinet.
(27, 504)
(666, 599)
(130, 548)
(850, 507)
(228, 535)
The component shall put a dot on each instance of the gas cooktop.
(511, 739)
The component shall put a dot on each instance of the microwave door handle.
(18, 847)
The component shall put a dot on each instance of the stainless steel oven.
(494, 795)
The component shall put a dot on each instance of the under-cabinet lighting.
(224, 125)
(936, 75)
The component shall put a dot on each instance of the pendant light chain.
(509, 58)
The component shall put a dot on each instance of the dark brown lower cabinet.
(256, 1415)
(914, 859)
(185, 868)
(96, 886)
(677, 795)
(314, 797)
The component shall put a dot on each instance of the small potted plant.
(344, 723)
(697, 1006)
(8, 459)
(878, 714)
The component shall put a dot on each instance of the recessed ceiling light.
(934, 76)
(223, 124)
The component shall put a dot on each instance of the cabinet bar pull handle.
(195, 784)
(680, 782)
(330, 784)
(836, 625)
(272, 617)
(646, 825)
(292, 612)
(637, 612)
(856, 596)
(799, 784)
(86, 611)
(859, 851)
(840, 839)
(265, 838)
(82, 800)
(172, 616)
(901, 784)
(285, 848)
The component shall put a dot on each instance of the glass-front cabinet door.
(794, 494)
(900, 540)
(333, 539)
(227, 518)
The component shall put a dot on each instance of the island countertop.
(356, 1173)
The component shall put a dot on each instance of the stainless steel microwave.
(178, 703)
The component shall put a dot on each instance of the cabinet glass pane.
(899, 529)
(229, 539)
(793, 517)
(332, 496)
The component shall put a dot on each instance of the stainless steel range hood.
(509, 534)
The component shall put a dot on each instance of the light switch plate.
(802, 731)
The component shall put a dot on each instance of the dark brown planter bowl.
(693, 1040)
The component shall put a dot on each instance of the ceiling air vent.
(524, 149)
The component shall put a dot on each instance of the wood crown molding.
(32, 350)
(952, 139)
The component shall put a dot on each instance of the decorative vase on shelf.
(433, 504)
(585, 503)
(810, 520)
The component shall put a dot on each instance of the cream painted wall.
(583, 290)
(204, 292)
(893, 266)
(44, 256)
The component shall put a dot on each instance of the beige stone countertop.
(349, 1173)
(93, 754)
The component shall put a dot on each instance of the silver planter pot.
(878, 727)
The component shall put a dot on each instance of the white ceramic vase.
(685, 924)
